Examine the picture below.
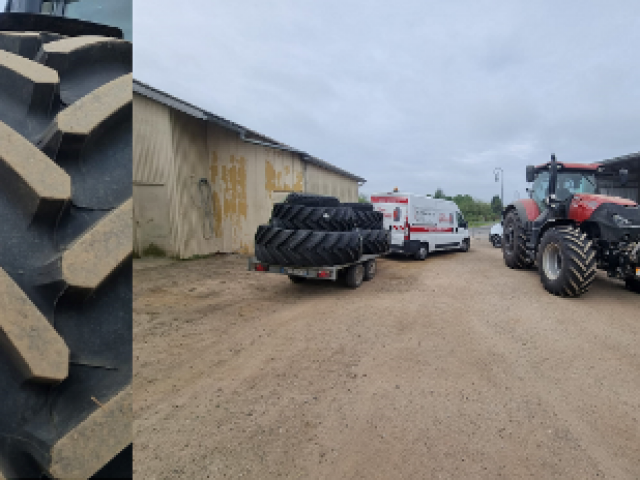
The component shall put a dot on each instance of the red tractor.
(568, 229)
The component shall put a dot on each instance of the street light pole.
(495, 172)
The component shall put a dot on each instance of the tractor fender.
(527, 209)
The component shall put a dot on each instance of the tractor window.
(116, 13)
(540, 189)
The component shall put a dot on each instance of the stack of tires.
(319, 231)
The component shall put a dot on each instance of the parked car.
(495, 236)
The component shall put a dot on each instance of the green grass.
(482, 224)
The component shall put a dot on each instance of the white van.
(422, 224)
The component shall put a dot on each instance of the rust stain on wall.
(269, 177)
(217, 215)
(298, 186)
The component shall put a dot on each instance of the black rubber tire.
(300, 217)
(296, 279)
(68, 115)
(465, 245)
(355, 275)
(632, 284)
(577, 268)
(360, 207)
(368, 220)
(422, 253)
(306, 248)
(514, 252)
(312, 200)
(370, 269)
(374, 241)
(496, 241)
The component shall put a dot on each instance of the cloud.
(416, 94)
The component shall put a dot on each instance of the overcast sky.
(413, 94)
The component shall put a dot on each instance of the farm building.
(202, 184)
(631, 190)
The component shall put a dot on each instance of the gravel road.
(455, 367)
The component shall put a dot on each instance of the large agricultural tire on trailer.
(514, 242)
(300, 217)
(312, 200)
(65, 256)
(369, 220)
(306, 248)
(360, 207)
(374, 241)
(566, 261)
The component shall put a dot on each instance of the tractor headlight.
(621, 221)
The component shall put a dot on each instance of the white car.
(495, 236)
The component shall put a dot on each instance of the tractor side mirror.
(531, 171)
(624, 177)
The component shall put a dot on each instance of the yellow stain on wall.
(298, 186)
(269, 177)
(217, 215)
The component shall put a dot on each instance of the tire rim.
(552, 261)
(509, 238)
(359, 273)
(372, 268)
(422, 253)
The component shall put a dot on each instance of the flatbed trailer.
(356, 272)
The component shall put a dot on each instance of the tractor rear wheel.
(514, 242)
(566, 261)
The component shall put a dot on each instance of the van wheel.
(370, 269)
(465, 245)
(355, 275)
(422, 253)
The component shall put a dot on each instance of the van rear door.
(394, 210)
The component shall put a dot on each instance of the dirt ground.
(455, 367)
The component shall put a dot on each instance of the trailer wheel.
(633, 284)
(296, 279)
(566, 262)
(496, 241)
(422, 252)
(65, 254)
(514, 242)
(370, 269)
(355, 275)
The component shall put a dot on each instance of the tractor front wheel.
(566, 261)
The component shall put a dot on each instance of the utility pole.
(495, 172)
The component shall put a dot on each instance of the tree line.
(475, 210)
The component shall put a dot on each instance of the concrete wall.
(174, 151)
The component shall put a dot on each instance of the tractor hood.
(618, 223)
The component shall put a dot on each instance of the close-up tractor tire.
(514, 242)
(374, 241)
(65, 256)
(566, 261)
(312, 200)
(300, 217)
(278, 246)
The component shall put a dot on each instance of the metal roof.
(246, 134)
(630, 162)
